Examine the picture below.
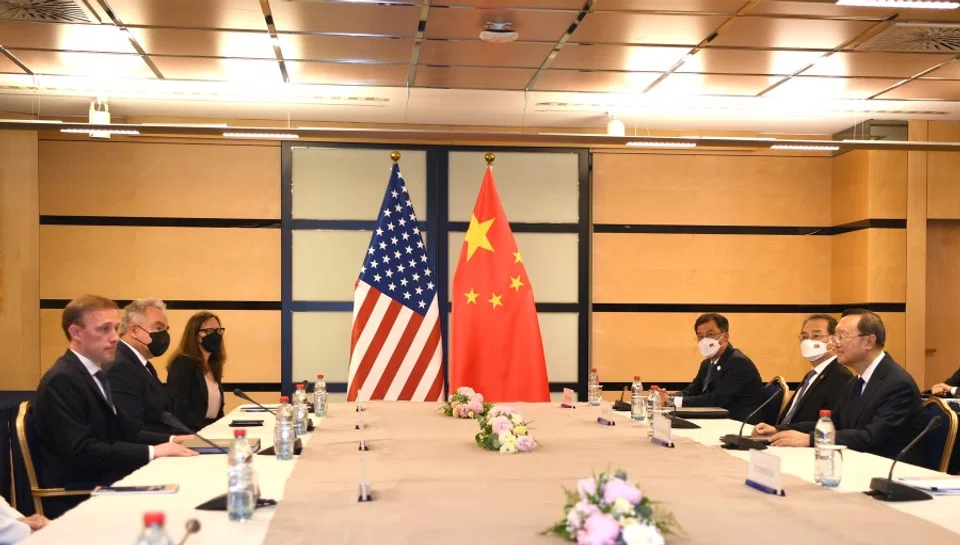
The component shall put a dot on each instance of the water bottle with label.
(285, 432)
(153, 531)
(300, 410)
(241, 481)
(653, 405)
(638, 406)
(320, 397)
(827, 471)
(593, 388)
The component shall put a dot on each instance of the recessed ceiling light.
(908, 4)
(800, 147)
(661, 144)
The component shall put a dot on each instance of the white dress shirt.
(817, 371)
(868, 372)
(92, 368)
(11, 529)
(140, 357)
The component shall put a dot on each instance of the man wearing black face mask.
(137, 390)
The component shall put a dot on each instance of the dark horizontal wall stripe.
(252, 386)
(49, 304)
(121, 221)
(744, 308)
(671, 386)
(461, 227)
(339, 225)
(750, 229)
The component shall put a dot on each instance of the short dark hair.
(831, 321)
(869, 324)
(718, 319)
(74, 311)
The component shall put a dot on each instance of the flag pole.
(395, 156)
(489, 158)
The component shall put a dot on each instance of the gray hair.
(136, 311)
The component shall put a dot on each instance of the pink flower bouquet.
(465, 403)
(505, 430)
(610, 510)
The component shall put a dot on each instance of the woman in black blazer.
(195, 372)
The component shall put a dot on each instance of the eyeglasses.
(814, 337)
(839, 339)
(710, 335)
(208, 330)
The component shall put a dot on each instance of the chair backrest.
(939, 444)
(773, 410)
(29, 443)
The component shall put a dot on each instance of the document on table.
(934, 486)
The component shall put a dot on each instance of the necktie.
(152, 370)
(100, 376)
(855, 395)
(711, 372)
(798, 397)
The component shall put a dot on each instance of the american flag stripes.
(395, 348)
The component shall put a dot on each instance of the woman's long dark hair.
(190, 347)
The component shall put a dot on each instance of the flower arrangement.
(504, 429)
(466, 403)
(610, 510)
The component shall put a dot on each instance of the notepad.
(933, 486)
(147, 489)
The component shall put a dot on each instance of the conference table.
(431, 483)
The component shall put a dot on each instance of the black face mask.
(211, 343)
(159, 342)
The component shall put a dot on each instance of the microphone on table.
(738, 441)
(888, 490)
(193, 526)
(176, 424)
(241, 394)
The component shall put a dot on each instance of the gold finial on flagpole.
(395, 156)
(489, 157)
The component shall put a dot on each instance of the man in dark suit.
(822, 387)
(84, 440)
(137, 390)
(726, 378)
(948, 387)
(880, 410)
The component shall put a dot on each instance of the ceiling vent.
(45, 11)
(915, 37)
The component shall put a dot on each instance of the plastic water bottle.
(242, 481)
(826, 471)
(593, 388)
(638, 406)
(653, 405)
(300, 410)
(153, 531)
(285, 432)
(320, 397)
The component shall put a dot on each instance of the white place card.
(662, 429)
(569, 399)
(763, 472)
(606, 414)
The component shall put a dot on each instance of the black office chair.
(939, 445)
(772, 411)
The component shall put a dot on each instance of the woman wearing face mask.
(195, 373)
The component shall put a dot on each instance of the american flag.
(395, 350)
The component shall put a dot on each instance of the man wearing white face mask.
(726, 378)
(823, 386)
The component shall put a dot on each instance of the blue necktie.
(856, 394)
(711, 372)
(100, 376)
(804, 386)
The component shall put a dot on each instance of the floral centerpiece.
(504, 429)
(465, 403)
(610, 510)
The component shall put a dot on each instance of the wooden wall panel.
(753, 269)
(942, 300)
(943, 171)
(850, 258)
(184, 180)
(711, 189)
(888, 184)
(168, 262)
(851, 181)
(252, 339)
(887, 266)
(19, 261)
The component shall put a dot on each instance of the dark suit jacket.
(136, 392)
(188, 393)
(888, 418)
(954, 379)
(82, 441)
(825, 393)
(736, 386)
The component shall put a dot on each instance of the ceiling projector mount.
(498, 32)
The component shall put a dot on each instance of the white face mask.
(813, 350)
(708, 347)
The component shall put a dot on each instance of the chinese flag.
(495, 345)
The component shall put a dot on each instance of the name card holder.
(365, 492)
(569, 400)
(763, 473)
(606, 415)
(662, 429)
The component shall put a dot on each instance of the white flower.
(466, 390)
(642, 534)
(622, 507)
(507, 438)
(508, 448)
(516, 419)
